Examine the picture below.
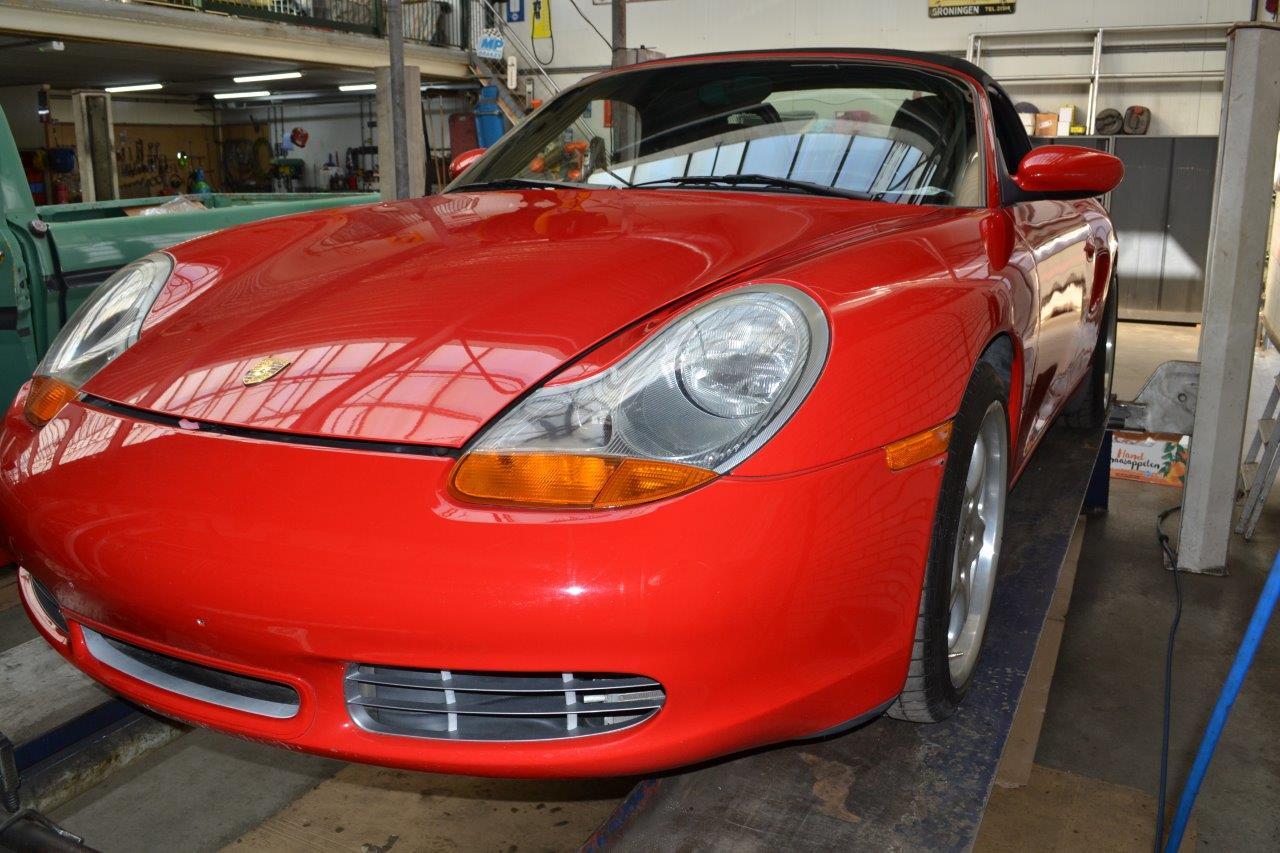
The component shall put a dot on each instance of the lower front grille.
(216, 686)
(47, 603)
(497, 706)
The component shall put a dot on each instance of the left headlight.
(107, 324)
(690, 403)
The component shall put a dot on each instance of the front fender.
(902, 351)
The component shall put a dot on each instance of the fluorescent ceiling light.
(226, 96)
(262, 78)
(358, 87)
(137, 87)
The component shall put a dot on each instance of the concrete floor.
(1141, 346)
(1104, 713)
(1102, 725)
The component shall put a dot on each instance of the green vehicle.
(53, 256)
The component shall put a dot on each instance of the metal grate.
(497, 706)
(193, 680)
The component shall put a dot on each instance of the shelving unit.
(1098, 44)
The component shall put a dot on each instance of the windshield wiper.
(517, 184)
(750, 180)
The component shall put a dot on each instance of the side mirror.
(1068, 171)
(463, 162)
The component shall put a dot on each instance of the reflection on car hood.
(419, 321)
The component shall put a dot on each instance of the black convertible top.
(1012, 137)
(953, 63)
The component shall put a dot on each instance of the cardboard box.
(1150, 457)
(1066, 115)
(1046, 124)
(1028, 122)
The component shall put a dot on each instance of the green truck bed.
(53, 256)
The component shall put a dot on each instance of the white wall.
(678, 27)
(333, 128)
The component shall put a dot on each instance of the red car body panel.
(296, 588)
(419, 321)
(767, 609)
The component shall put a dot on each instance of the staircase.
(512, 104)
(491, 72)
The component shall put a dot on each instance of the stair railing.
(510, 37)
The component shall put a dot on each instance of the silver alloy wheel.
(977, 552)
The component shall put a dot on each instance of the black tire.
(1088, 407)
(929, 694)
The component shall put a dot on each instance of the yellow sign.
(964, 8)
(542, 19)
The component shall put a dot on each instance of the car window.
(889, 132)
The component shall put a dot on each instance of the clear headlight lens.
(106, 325)
(692, 402)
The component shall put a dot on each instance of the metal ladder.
(1261, 463)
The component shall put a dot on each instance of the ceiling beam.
(139, 24)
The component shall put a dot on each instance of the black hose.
(1169, 556)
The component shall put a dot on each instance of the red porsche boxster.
(680, 423)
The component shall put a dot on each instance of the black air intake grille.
(196, 681)
(497, 706)
(49, 604)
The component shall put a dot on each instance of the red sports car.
(680, 423)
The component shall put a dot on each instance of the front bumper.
(768, 608)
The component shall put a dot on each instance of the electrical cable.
(1169, 556)
(591, 24)
(533, 43)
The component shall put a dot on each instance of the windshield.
(864, 129)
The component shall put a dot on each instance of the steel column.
(1233, 280)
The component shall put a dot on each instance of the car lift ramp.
(888, 785)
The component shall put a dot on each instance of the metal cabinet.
(1161, 212)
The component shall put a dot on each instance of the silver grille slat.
(493, 706)
(473, 683)
(504, 708)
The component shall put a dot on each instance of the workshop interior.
(639, 425)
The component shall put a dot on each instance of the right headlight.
(689, 404)
(107, 324)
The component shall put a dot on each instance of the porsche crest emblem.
(263, 369)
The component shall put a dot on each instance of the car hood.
(418, 321)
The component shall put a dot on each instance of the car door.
(1056, 235)
(1060, 242)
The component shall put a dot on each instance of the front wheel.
(960, 576)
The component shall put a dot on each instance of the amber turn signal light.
(906, 452)
(45, 399)
(570, 481)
